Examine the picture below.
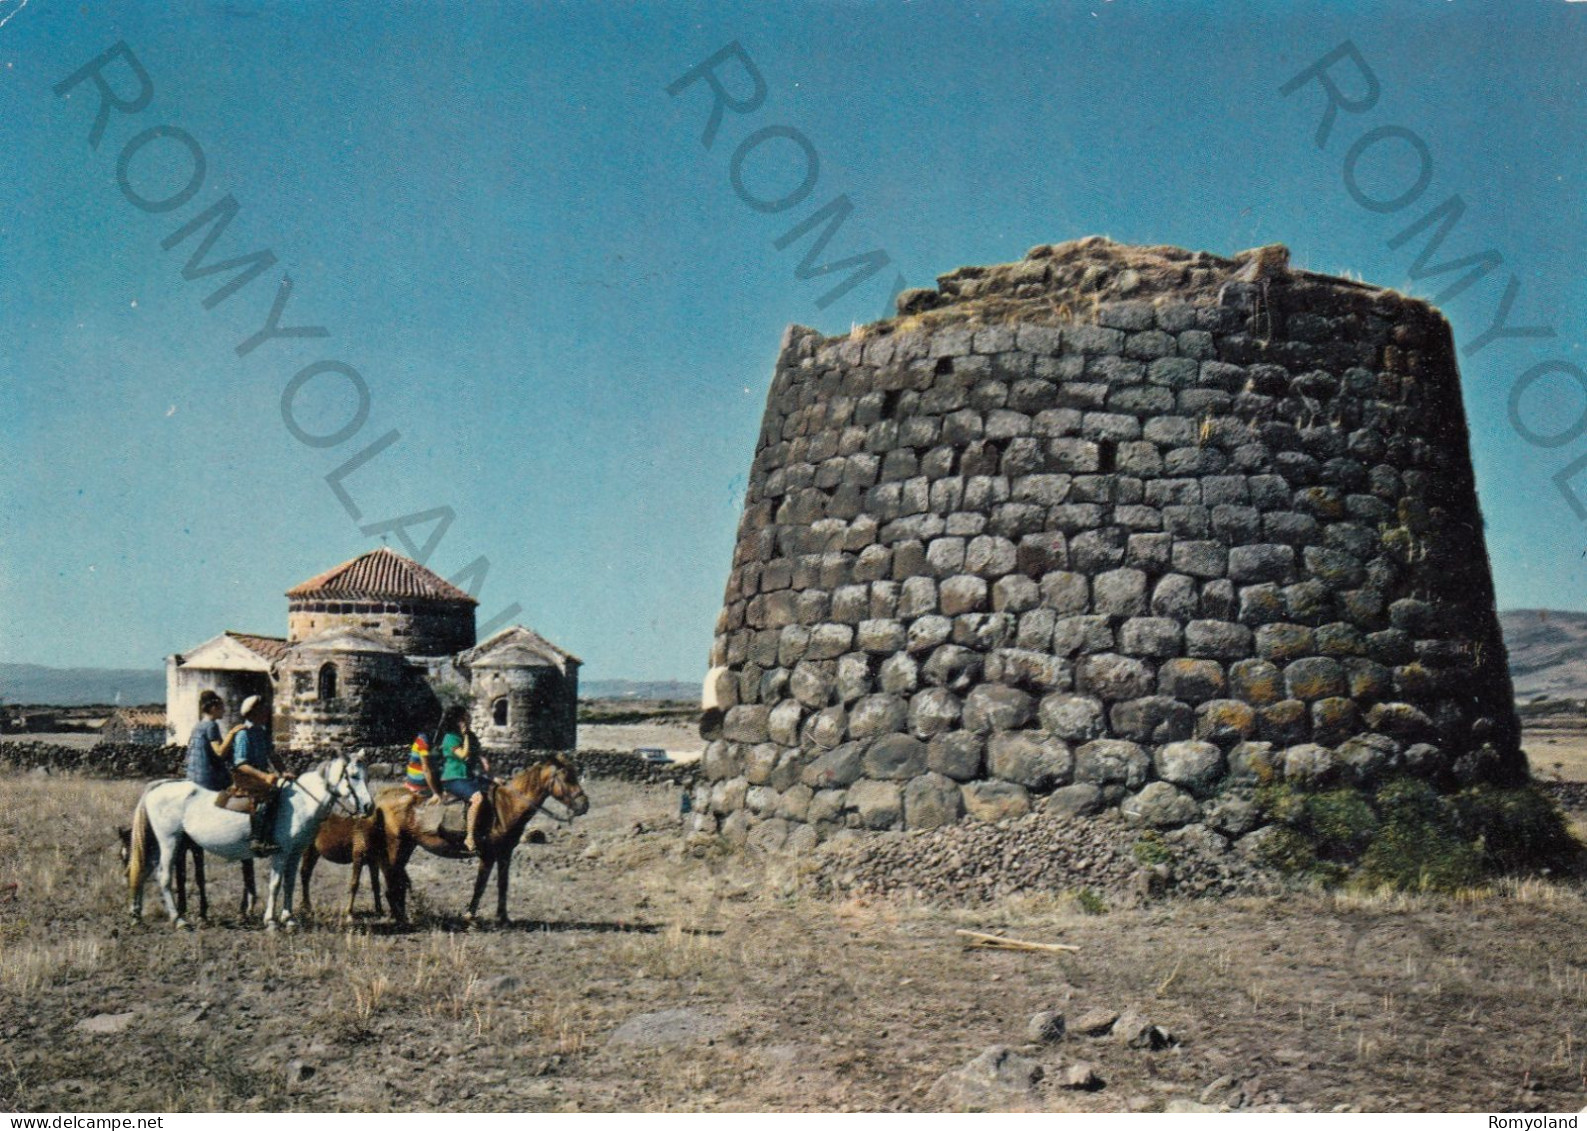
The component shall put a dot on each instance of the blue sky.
(554, 294)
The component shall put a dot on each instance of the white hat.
(248, 705)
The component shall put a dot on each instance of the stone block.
(945, 556)
(1015, 593)
(1310, 764)
(1283, 642)
(1284, 723)
(995, 800)
(1075, 718)
(1225, 721)
(1261, 604)
(895, 757)
(931, 801)
(927, 632)
(1064, 591)
(962, 593)
(1193, 681)
(1160, 805)
(990, 556)
(1261, 562)
(1314, 677)
(1111, 677)
(1257, 682)
(899, 674)
(1157, 637)
(1334, 719)
(876, 715)
(1177, 597)
(784, 721)
(1030, 760)
(878, 804)
(1075, 635)
(880, 637)
(933, 711)
(1111, 761)
(1200, 558)
(1217, 640)
(1078, 800)
(957, 754)
(993, 707)
(746, 723)
(1152, 719)
(1196, 767)
(1119, 592)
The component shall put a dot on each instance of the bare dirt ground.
(639, 976)
(680, 739)
(1557, 752)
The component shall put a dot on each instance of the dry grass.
(1473, 1001)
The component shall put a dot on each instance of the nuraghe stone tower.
(1108, 527)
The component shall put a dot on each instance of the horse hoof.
(181, 924)
(272, 925)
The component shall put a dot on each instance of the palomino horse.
(346, 840)
(172, 809)
(514, 801)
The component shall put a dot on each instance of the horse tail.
(141, 846)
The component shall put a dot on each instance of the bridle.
(337, 798)
(558, 770)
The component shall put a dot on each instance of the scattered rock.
(1081, 1077)
(997, 1080)
(102, 1023)
(1096, 1023)
(666, 1027)
(1046, 1027)
(499, 986)
(1136, 1031)
(300, 1071)
(1219, 1087)
(1179, 1105)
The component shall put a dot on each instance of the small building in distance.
(373, 647)
(144, 726)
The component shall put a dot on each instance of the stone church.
(374, 648)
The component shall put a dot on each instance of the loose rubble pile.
(1105, 858)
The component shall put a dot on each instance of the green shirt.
(454, 766)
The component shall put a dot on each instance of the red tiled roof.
(271, 648)
(381, 575)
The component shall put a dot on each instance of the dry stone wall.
(1109, 527)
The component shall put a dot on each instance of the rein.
(337, 799)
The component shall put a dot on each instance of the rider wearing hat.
(257, 773)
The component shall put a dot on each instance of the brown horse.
(512, 803)
(358, 841)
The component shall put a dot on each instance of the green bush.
(1152, 849)
(1409, 836)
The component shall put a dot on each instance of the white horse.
(171, 808)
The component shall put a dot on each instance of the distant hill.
(77, 687)
(639, 689)
(1548, 652)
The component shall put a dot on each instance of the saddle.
(450, 818)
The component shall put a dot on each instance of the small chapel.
(374, 648)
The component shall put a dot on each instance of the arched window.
(498, 712)
(327, 688)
